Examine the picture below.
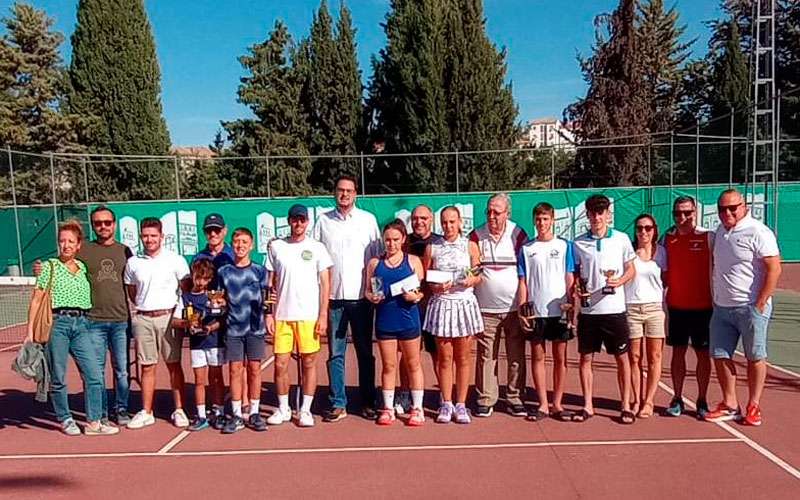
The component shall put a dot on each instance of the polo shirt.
(592, 256)
(69, 290)
(351, 240)
(739, 269)
(156, 279)
(297, 267)
(497, 291)
(544, 266)
(689, 278)
(220, 259)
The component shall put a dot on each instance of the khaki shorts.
(646, 320)
(154, 338)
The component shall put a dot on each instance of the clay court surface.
(660, 457)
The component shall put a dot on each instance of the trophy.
(566, 309)
(268, 299)
(608, 273)
(376, 287)
(216, 302)
(195, 319)
(527, 313)
(462, 276)
(586, 298)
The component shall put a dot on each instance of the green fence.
(267, 217)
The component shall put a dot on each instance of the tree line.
(438, 85)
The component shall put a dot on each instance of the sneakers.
(101, 430)
(305, 419)
(123, 417)
(517, 410)
(416, 417)
(70, 428)
(218, 421)
(445, 413)
(280, 416)
(142, 419)
(483, 411)
(179, 418)
(702, 409)
(386, 417)
(675, 408)
(334, 415)
(723, 413)
(199, 424)
(234, 424)
(753, 416)
(369, 413)
(462, 414)
(256, 422)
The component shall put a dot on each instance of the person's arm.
(773, 268)
(36, 302)
(474, 261)
(321, 327)
(628, 274)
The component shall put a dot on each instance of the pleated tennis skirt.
(453, 317)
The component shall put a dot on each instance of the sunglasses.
(105, 223)
(647, 228)
(213, 230)
(728, 208)
(685, 213)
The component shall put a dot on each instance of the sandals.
(582, 416)
(536, 415)
(646, 411)
(562, 415)
(627, 417)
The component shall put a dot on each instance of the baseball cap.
(298, 210)
(213, 220)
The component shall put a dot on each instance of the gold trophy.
(216, 302)
(195, 319)
(608, 273)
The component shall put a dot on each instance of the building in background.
(547, 133)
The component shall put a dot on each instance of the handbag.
(43, 315)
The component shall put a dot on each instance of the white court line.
(372, 449)
(184, 434)
(742, 437)
(781, 369)
(10, 348)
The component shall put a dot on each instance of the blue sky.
(199, 41)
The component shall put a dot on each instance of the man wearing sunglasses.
(219, 252)
(747, 266)
(688, 282)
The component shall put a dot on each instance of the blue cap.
(213, 220)
(298, 210)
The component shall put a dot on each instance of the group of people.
(411, 291)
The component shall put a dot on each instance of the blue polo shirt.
(223, 258)
(243, 287)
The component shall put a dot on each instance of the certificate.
(434, 276)
(404, 285)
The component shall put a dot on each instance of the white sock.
(201, 411)
(283, 402)
(254, 406)
(236, 406)
(306, 405)
(388, 399)
(416, 398)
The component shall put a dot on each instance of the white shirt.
(297, 267)
(544, 265)
(594, 255)
(351, 241)
(739, 269)
(497, 291)
(156, 279)
(646, 287)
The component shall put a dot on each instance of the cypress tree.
(117, 82)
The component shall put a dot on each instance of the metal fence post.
(730, 153)
(53, 189)
(177, 178)
(16, 211)
(269, 180)
(671, 162)
(86, 190)
(697, 162)
(363, 179)
(457, 176)
(552, 168)
(777, 160)
(649, 163)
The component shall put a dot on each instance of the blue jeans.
(359, 315)
(112, 336)
(69, 336)
(729, 324)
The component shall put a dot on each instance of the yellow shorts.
(286, 332)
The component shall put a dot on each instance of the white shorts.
(214, 356)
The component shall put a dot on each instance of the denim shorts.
(728, 324)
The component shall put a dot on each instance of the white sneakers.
(179, 418)
(101, 430)
(143, 419)
(306, 419)
(280, 416)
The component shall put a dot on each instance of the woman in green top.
(71, 300)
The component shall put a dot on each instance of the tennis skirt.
(453, 318)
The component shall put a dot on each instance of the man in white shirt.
(498, 242)
(604, 258)
(352, 238)
(152, 281)
(747, 265)
(301, 271)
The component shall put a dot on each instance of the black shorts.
(401, 335)
(611, 330)
(250, 347)
(551, 329)
(685, 325)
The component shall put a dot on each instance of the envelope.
(434, 276)
(404, 285)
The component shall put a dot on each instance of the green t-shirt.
(69, 290)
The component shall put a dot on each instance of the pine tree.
(271, 89)
(33, 117)
(117, 82)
